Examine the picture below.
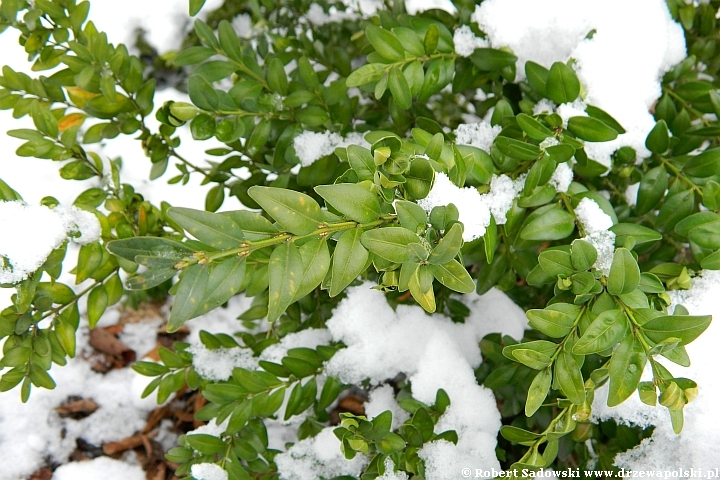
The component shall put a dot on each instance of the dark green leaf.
(624, 273)
(562, 84)
(554, 224)
(389, 243)
(591, 129)
(626, 367)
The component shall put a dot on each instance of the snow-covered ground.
(637, 38)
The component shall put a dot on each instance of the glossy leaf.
(351, 199)
(285, 272)
(294, 211)
(212, 229)
(349, 260)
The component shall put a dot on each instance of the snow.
(218, 364)
(208, 471)
(480, 134)
(33, 231)
(101, 467)
(638, 39)
(596, 224)
(474, 208)
(318, 457)
(562, 177)
(474, 213)
(32, 433)
(592, 217)
(312, 146)
(665, 450)
(569, 110)
(435, 353)
(466, 42)
(503, 190)
(631, 194)
(390, 473)
(317, 16)
(381, 400)
(417, 6)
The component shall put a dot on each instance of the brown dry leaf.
(137, 440)
(77, 408)
(105, 342)
(42, 474)
(353, 404)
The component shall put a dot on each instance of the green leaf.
(97, 302)
(583, 255)
(454, 276)
(624, 273)
(537, 76)
(517, 149)
(684, 226)
(641, 234)
(205, 444)
(224, 281)
(569, 378)
(196, 6)
(294, 211)
(626, 367)
(706, 235)
(349, 260)
(361, 161)
(189, 295)
(316, 262)
(213, 229)
(600, 114)
(399, 88)
(538, 391)
(686, 328)
(193, 56)
(704, 165)
(604, 332)
(562, 84)
(489, 59)
(389, 243)
(368, 73)
(386, 44)
(555, 320)
(533, 128)
(448, 247)
(531, 358)
(560, 153)
(411, 215)
(652, 188)
(352, 200)
(519, 435)
(658, 140)
(150, 278)
(421, 287)
(285, 271)
(554, 224)
(253, 225)
(591, 129)
(130, 248)
(675, 208)
(556, 262)
(202, 93)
